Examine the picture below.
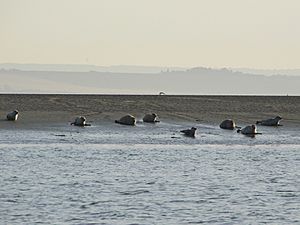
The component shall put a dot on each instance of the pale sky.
(213, 33)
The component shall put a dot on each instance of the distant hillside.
(87, 68)
(192, 81)
(287, 72)
(132, 69)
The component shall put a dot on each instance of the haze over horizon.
(111, 46)
(232, 34)
(136, 68)
(195, 81)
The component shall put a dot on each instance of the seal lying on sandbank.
(127, 120)
(270, 122)
(228, 125)
(248, 130)
(13, 116)
(80, 121)
(151, 118)
(189, 132)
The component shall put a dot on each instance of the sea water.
(148, 174)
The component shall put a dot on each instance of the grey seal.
(270, 122)
(13, 116)
(189, 132)
(151, 118)
(228, 125)
(127, 120)
(248, 130)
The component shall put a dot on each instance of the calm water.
(148, 174)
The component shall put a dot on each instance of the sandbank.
(44, 109)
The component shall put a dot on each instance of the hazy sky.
(215, 33)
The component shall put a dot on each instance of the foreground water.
(148, 174)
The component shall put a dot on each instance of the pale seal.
(80, 121)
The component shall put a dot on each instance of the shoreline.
(175, 95)
(206, 109)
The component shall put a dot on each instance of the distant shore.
(57, 108)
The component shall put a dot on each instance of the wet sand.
(46, 109)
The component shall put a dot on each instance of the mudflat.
(59, 108)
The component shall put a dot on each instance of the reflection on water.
(148, 174)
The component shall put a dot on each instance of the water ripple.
(105, 175)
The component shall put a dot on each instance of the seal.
(270, 122)
(151, 118)
(127, 120)
(80, 121)
(189, 132)
(248, 130)
(13, 116)
(228, 125)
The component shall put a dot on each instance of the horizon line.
(153, 66)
